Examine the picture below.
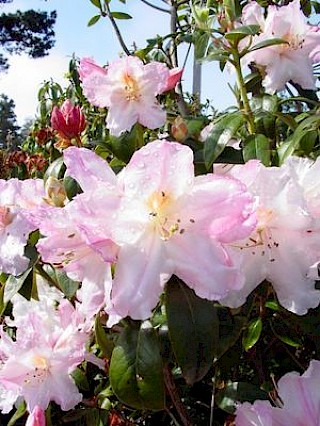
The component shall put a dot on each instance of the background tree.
(30, 32)
(8, 122)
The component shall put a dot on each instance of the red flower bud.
(68, 121)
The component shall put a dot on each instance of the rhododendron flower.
(299, 402)
(16, 198)
(69, 246)
(128, 89)
(165, 213)
(50, 342)
(291, 60)
(68, 120)
(285, 242)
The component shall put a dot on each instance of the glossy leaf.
(56, 169)
(193, 330)
(136, 368)
(252, 333)
(222, 132)
(257, 147)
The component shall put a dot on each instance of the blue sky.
(73, 36)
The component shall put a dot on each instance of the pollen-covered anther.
(131, 87)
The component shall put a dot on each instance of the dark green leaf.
(223, 130)
(71, 187)
(236, 392)
(193, 330)
(257, 147)
(121, 15)
(252, 333)
(80, 379)
(135, 372)
(285, 332)
(103, 339)
(94, 20)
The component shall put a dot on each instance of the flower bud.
(68, 121)
(179, 129)
(37, 417)
(56, 194)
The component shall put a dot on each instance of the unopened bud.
(179, 129)
(56, 194)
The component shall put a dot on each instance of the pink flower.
(50, 343)
(300, 402)
(291, 60)
(173, 79)
(285, 242)
(166, 212)
(68, 121)
(18, 199)
(129, 91)
(78, 237)
(37, 417)
(88, 67)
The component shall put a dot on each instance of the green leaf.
(121, 15)
(71, 187)
(125, 145)
(56, 169)
(235, 392)
(96, 3)
(267, 43)
(200, 40)
(257, 147)
(66, 284)
(242, 32)
(103, 339)
(252, 333)
(14, 284)
(285, 332)
(136, 368)
(20, 412)
(80, 379)
(224, 129)
(193, 329)
(93, 20)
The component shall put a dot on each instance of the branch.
(116, 29)
(155, 7)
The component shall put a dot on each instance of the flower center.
(158, 207)
(295, 42)
(40, 371)
(131, 87)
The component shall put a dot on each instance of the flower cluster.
(291, 60)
